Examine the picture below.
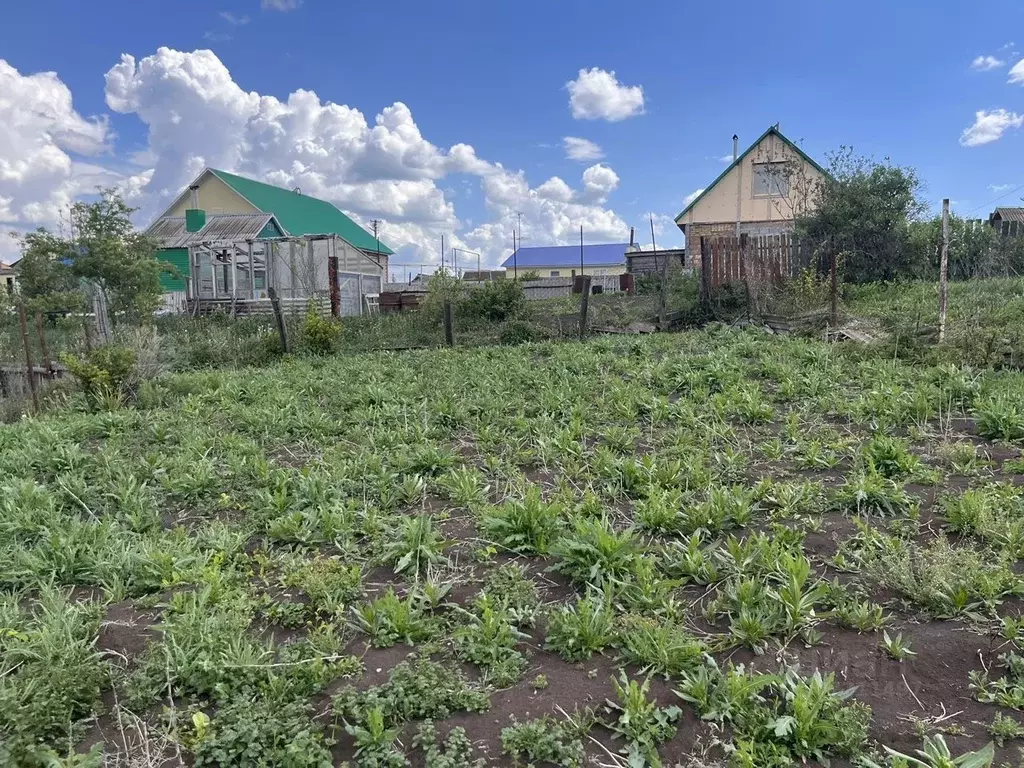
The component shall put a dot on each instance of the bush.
(320, 334)
(494, 300)
(517, 332)
(105, 371)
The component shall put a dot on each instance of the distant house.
(565, 260)
(653, 262)
(8, 277)
(231, 239)
(473, 275)
(761, 192)
(1008, 221)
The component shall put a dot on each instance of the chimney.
(735, 147)
(630, 237)
(195, 217)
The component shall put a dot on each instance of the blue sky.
(889, 78)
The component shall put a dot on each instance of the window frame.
(769, 194)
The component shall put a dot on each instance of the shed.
(569, 260)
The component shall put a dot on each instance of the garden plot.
(702, 549)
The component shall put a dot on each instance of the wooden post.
(282, 328)
(30, 369)
(705, 277)
(43, 345)
(943, 271)
(88, 333)
(833, 291)
(584, 303)
(449, 331)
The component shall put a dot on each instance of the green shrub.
(517, 332)
(495, 300)
(104, 372)
(320, 334)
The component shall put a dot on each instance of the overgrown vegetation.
(357, 555)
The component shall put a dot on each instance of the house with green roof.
(760, 192)
(232, 238)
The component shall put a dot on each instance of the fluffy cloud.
(990, 126)
(198, 116)
(694, 195)
(280, 5)
(985, 63)
(599, 181)
(583, 150)
(598, 95)
(40, 132)
(555, 189)
(1017, 72)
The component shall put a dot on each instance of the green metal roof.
(301, 214)
(738, 160)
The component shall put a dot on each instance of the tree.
(104, 249)
(864, 211)
(110, 252)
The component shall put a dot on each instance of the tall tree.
(104, 248)
(864, 212)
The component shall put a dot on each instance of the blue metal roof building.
(568, 256)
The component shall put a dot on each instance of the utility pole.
(581, 250)
(663, 300)
(944, 271)
(376, 226)
(519, 220)
(442, 253)
(515, 254)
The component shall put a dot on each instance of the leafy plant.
(639, 721)
(896, 647)
(529, 525)
(547, 740)
(576, 632)
(936, 754)
(593, 552)
(417, 546)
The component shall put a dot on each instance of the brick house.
(761, 192)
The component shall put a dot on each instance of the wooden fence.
(760, 258)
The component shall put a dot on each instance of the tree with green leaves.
(103, 248)
(864, 210)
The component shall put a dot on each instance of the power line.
(986, 205)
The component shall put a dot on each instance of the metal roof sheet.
(170, 230)
(301, 214)
(567, 256)
(1011, 214)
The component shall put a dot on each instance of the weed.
(454, 751)
(593, 552)
(936, 754)
(639, 721)
(528, 525)
(896, 647)
(578, 631)
(417, 546)
(1004, 728)
(390, 619)
(547, 740)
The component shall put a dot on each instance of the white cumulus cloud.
(40, 133)
(987, 62)
(581, 149)
(1017, 72)
(990, 126)
(599, 181)
(597, 94)
(198, 116)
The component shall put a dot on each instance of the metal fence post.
(584, 303)
(449, 331)
(30, 369)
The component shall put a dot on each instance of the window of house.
(555, 273)
(771, 180)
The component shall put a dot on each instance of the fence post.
(584, 304)
(944, 270)
(833, 292)
(30, 369)
(43, 345)
(282, 328)
(705, 277)
(449, 330)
